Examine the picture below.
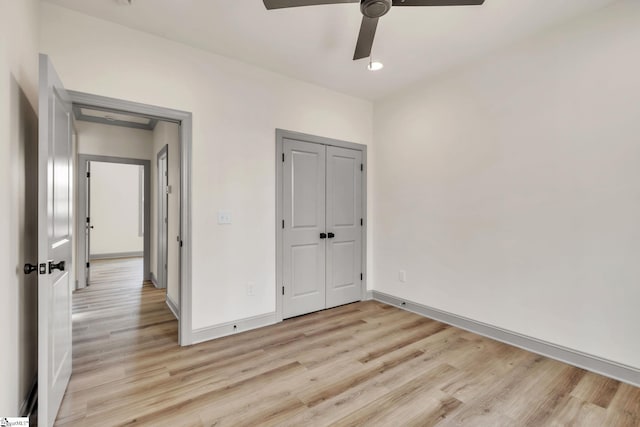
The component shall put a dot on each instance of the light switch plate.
(224, 217)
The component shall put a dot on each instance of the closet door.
(344, 214)
(304, 221)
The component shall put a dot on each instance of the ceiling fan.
(371, 10)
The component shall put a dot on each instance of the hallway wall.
(116, 209)
(116, 141)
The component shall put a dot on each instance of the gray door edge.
(162, 277)
(185, 120)
(281, 135)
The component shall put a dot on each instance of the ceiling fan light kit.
(375, 66)
(371, 10)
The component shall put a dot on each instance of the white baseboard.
(154, 280)
(116, 255)
(175, 309)
(608, 368)
(230, 328)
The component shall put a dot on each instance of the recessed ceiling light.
(375, 66)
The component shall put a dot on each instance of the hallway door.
(54, 243)
(88, 227)
(163, 217)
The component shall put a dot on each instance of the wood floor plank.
(596, 389)
(576, 412)
(360, 364)
(384, 410)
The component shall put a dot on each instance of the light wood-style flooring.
(363, 364)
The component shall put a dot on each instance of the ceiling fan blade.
(280, 4)
(365, 38)
(437, 2)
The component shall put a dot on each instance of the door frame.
(162, 227)
(83, 197)
(185, 121)
(281, 135)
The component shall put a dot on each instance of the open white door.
(54, 243)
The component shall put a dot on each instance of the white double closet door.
(322, 232)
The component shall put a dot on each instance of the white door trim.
(184, 119)
(282, 134)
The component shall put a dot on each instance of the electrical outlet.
(402, 276)
(251, 289)
(224, 217)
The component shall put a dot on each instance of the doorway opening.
(113, 211)
(133, 136)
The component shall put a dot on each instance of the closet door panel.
(344, 214)
(304, 252)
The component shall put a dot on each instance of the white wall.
(510, 190)
(236, 108)
(166, 133)
(18, 214)
(115, 209)
(116, 141)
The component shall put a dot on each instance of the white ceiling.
(316, 43)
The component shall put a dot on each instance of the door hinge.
(283, 223)
(361, 166)
(88, 265)
(361, 222)
(283, 157)
(88, 174)
(283, 290)
(361, 276)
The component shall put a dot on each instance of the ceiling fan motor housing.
(375, 8)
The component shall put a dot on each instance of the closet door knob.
(323, 235)
(331, 235)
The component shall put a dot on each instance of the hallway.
(117, 322)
